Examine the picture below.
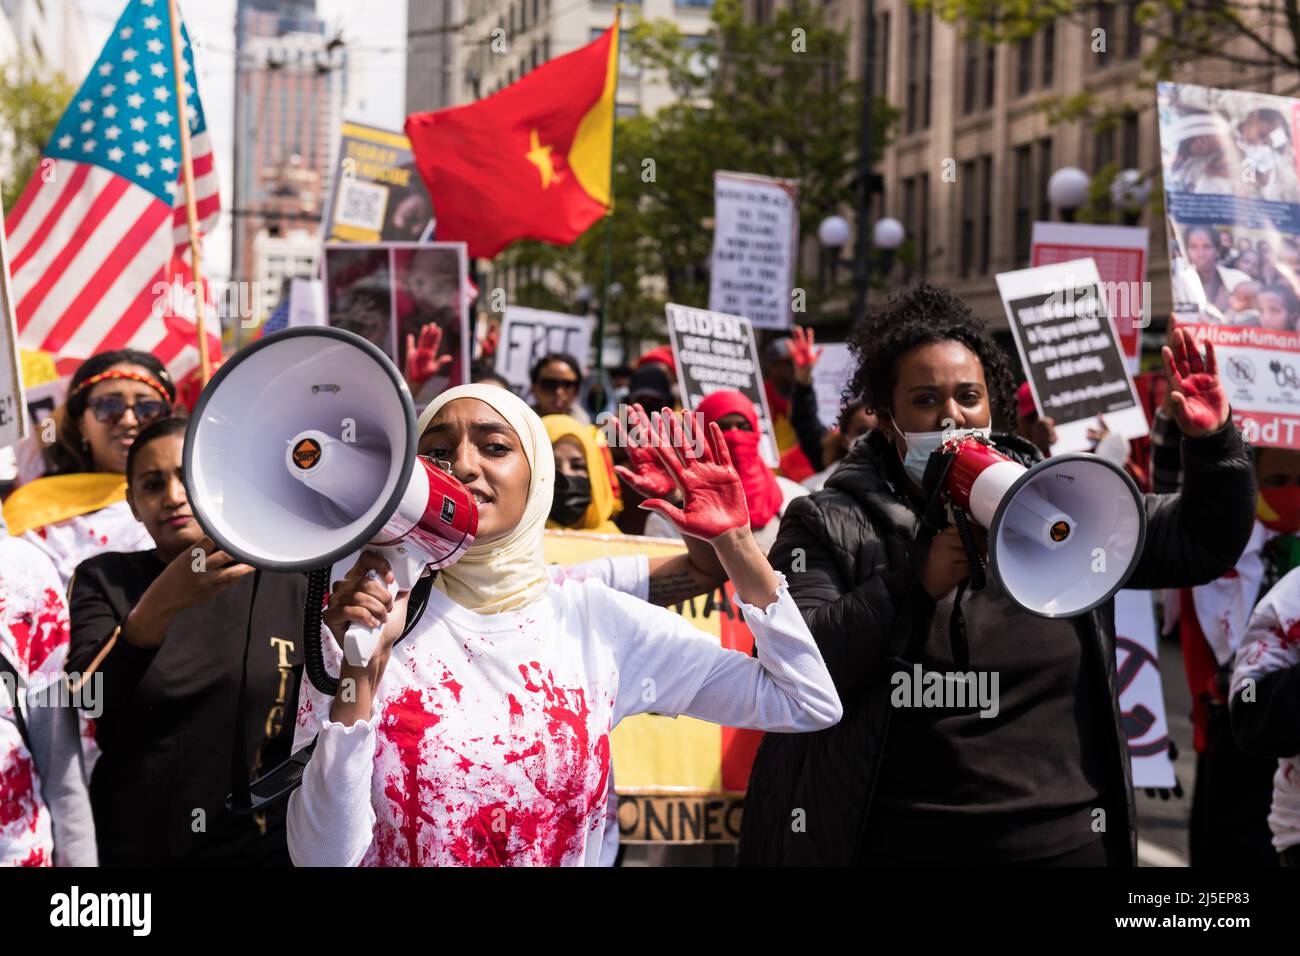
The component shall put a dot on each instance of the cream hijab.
(506, 573)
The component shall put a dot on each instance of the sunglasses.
(111, 408)
(555, 384)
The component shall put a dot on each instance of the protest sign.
(1233, 218)
(678, 780)
(1070, 351)
(387, 292)
(831, 373)
(13, 423)
(755, 247)
(528, 334)
(716, 352)
(1141, 693)
(377, 193)
(1120, 253)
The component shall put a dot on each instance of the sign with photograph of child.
(1232, 198)
(405, 298)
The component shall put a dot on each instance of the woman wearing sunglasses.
(556, 383)
(78, 508)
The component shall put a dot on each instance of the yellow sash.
(56, 498)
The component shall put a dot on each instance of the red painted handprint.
(700, 463)
(422, 360)
(646, 473)
(802, 355)
(1199, 402)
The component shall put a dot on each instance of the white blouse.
(488, 742)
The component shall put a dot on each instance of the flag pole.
(191, 205)
(609, 214)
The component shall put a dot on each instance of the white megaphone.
(302, 450)
(1064, 535)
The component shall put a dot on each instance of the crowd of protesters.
(834, 562)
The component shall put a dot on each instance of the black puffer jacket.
(844, 552)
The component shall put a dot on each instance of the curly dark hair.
(918, 316)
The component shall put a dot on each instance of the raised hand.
(713, 499)
(1199, 403)
(646, 473)
(802, 355)
(422, 360)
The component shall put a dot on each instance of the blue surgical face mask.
(920, 445)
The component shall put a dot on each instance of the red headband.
(130, 376)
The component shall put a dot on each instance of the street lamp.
(1067, 190)
(887, 235)
(833, 233)
(1129, 191)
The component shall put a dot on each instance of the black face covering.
(572, 499)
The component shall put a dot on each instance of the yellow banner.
(679, 780)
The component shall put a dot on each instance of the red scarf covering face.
(762, 493)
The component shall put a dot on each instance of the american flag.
(99, 240)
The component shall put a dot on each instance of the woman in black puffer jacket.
(1037, 771)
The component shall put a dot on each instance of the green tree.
(773, 99)
(31, 104)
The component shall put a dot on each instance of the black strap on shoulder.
(283, 779)
(9, 671)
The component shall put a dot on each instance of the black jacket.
(844, 551)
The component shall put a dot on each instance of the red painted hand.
(1199, 402)
(713, 497)
(647, 473)
(422, 360)
(802, 355)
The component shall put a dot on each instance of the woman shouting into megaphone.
(1030, 763)
(482, 738)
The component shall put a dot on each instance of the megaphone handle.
(359, 642)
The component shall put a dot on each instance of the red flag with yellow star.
(530, 162)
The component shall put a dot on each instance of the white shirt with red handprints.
(488, 742)
(1271, 644)
(68, 543)
(34, 639)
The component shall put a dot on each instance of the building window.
(909, 215)
(1024, 215)
(1024, 65)
(1130, 141)
(1049, 55)
(1105, 148)
(925, 95)
(1106, 23)
(1132, 31)
(990, 74)
(986, 211)
(922, 227)
(970, 76)
(882, 57)
(1044, 174)
(918, 72)
(969, 211)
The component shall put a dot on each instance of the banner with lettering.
(678, 780)
(1070, 351)
(755, 247)
(1232, 201)
(377, 194)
